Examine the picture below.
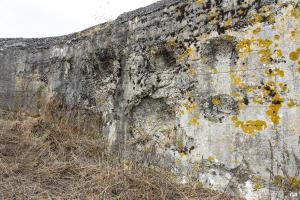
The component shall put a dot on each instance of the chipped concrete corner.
(207, 88)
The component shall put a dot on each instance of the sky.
(45, 18)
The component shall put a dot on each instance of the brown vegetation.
(41, 161)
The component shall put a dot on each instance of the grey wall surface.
(209, 89)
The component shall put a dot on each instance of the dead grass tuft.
(41, 161)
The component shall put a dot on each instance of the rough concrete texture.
(207, 88)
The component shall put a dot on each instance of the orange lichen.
(250, 126)
(294, 55)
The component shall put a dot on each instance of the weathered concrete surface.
(208, 88)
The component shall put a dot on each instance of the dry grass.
(40, 161)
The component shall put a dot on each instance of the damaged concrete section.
(209, 89)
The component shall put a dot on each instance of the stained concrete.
(209, 89)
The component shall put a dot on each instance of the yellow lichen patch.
(190, 52)
(244, 46)
(295, 13)
(182, 56)
(291, 103)
(264, 52)
(278, 53)
(278, 180)
(200, 1)
(257, 31)
(269, 88)
(228, 22)
(190, 107)
(216, 101)
(256, 18)
(194, 122)
(241, 104)
(199, 185)
(275, 72)
(236, 81)
(192, 70)
(240, 12)
(265, 56)
(298, 69)
(273, 112)
(172, 43)
(182, 154)
(294, 183)
(257, 182)
(250, 88)
(258, 100)
(276, 37)
(235, 94)
(283, 86)
(294, 55)
(178, 162)
(181, 113)
(211, 158)
(213, 70)
(271, 18)
(293, 33)
(264, 43)
(287, 183)
(250, 126)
